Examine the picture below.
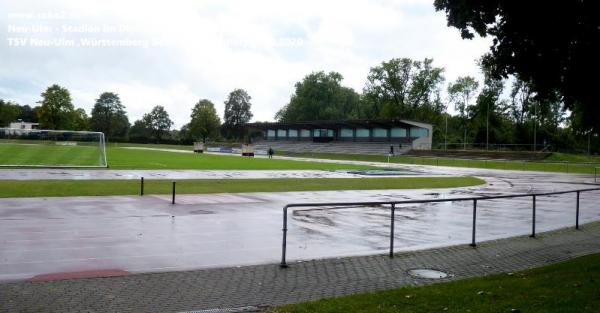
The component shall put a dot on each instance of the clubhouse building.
(397, 132)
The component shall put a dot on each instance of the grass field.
(50, 188)
(572, 286)
(46, 154)
(123, 158)
(545, 166)
(119, 157)
(573, 158)
(150, 145)
(554, 157)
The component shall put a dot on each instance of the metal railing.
(393, 204)
(172, 189)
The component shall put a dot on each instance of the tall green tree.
(29, 114)
(489, 116)
(549, 119)
(157, 122)
(109, 116)
(140, 131)
(9, 112)
(552, 44)
(237, 113)
(57, 111)
(460, 93)
(400, 88)
(523, 101)
(81, 121)
(205, 122)
(237, 108)
(320, 96)
(185, 135)
(525, 107)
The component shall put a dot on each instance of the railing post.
(533, 219)
(577, 212)
(474, 221)
(393, 213)
(173, 198)
(473, 243)
(142, 187)
(284, 243)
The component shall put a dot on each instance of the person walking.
(270, 152)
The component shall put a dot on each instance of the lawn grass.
(123, 158)
(119, 157)
(572, 286)
(55, 188)
(150, 145)
(573, 158)
(49, 154)
(544, 166)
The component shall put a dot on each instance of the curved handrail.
(394, 203)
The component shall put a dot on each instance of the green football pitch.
(119, 157)
(22, 154)
(123, 158)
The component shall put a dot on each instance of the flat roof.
(339, 123)
(23, 122)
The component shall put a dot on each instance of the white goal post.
(52, 148)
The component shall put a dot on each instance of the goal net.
(51, 148)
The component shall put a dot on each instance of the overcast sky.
(174, 53)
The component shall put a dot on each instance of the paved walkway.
(271, 285)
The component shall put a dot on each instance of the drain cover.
(427, 273)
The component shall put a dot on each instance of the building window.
(362, 133)
(419, 132)
(304, 133)
(281, 133)
(380, 132)
(270, 133)
(346, 133)
(398, 132)
(323, 133)
(293, 133)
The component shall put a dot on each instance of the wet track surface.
(147, 234)
(101, 174)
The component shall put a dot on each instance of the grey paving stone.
(303, 281)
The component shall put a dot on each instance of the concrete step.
(371, 148)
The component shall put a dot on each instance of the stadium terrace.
(405, 133)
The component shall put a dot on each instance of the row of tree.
(547, 50)
(495, 110)
(545, 53)
(56, 111)
(550, 48)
